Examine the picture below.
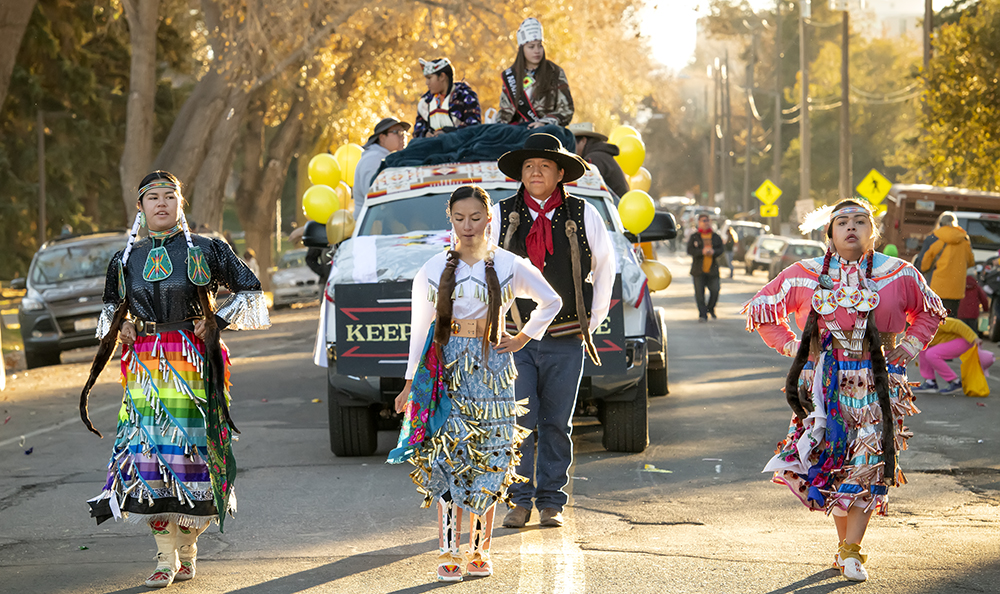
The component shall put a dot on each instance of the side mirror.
(18, 284)
(663, 227)
(314, 235)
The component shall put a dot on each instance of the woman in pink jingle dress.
(851, 302)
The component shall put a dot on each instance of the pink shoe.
(449, 572)
(480, 568)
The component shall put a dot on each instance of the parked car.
(762, 251)
(65, 289)
(364, 328)
(747, 232)
(292, 281)
(793, 251)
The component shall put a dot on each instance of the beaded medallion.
(158, 265)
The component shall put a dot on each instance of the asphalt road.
(692, 513)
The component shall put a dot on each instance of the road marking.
(542, 544)
(59, 425)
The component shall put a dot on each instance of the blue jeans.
(704, 281)
(548, 375)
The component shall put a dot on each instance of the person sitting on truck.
(566, 239)
(447, 105)
(594, 148)
(948, 257)
(388, 137)
(534, 90)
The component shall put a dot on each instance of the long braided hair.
(799, 398)
(446, 284)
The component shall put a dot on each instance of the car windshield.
(293, 259)
(61, 264)
(806, 251)
(983, 233)
(427, 213)
(771, 245)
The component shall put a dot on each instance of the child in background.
(952, 339)
(975, 300)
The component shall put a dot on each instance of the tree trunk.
(14, 17)
(137, 154)
(210, 183)
(260, 187)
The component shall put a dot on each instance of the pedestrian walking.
(447, 105)
(172, 464)
(947, 258)
(458, 402)
(534, 91)
(250, 258)
(732, 240)
(565, 238)
(975, 300)
(849, 395)
(953, 338)
(594, 148)
(388, 137)
(705, 248)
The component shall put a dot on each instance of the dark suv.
(65, 287)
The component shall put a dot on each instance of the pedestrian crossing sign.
(875, 187)
(768, 193)
(768, 210)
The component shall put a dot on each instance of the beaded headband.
(159, 183)
(850, 210)
(433, 66)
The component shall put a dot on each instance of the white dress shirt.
(603, 264)
(524, 280)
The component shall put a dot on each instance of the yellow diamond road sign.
(875, 187)
(768, 193)
(768, 210)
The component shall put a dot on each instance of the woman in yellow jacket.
(953, 338)
(949, 257)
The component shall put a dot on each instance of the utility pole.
(714, 133)
(749, 84)
(845, 106)
(727, 173)
(42, 218)
(805, 12)
(776, 149)
(928, 29)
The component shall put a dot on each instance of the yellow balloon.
(319, 202)
(347, 157)
(642, 180)
(339, 226)
(636, 209)
(343, 195)
(621, 132)
(324, 170)
(658, 276)
(631, 154)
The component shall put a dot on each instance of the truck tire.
(993, 332)
(353, 429)
(626, 424)
(659, 382)
(33, 359)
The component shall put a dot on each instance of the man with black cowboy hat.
(594, 148)
(388, 137)
(566, 239)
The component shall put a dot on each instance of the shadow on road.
(814, 584)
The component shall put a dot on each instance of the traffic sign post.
(874, 187)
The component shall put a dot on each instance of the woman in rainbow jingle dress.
(459, 422)
(172, 464)
(849, 373)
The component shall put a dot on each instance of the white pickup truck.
(365, 316)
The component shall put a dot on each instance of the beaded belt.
(475, 328)
(144, 328)
(888, 342)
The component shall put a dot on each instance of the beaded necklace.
(855, 299)
(158, 265)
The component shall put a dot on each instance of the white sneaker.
(853, 570)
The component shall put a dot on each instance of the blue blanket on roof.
(473, 143)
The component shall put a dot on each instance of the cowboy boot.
(187, 551)
(449, 533)
(480, 537)
(165, 535)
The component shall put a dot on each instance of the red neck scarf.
(539, 239)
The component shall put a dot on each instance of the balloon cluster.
(636, 207)
(328, 200)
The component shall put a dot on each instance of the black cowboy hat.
(542, 146)
(382, 127)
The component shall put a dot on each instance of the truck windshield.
(427, 213)
(983, 233)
